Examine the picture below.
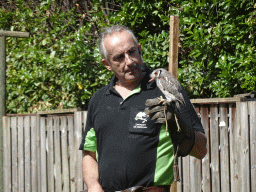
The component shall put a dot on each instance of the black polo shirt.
(132, 149)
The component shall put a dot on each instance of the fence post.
(3, 35)
(2, 103)
(173, 59)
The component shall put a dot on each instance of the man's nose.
(128, 59)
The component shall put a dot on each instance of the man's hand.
(155, 109)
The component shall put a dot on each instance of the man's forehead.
(112, 40)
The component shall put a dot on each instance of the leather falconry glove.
(156, 110)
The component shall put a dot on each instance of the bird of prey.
(171, 88)
(169, 85)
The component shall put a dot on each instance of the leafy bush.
(59, 65)
(219, 41)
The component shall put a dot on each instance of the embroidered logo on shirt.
(141, 118)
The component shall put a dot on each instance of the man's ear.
(139, 47)
(106, 63)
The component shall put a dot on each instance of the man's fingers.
(160, 115)
(160, 120)
(155, 109)
(152, 102)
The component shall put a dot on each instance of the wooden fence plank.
(27, 153)
(38, 144)
(7, 154)
(233, 148)
(43, 154)
(14, 154)
(57, 165)
(224, 148)
(239, 147)
(64, 150)
(57, 153)
(206, 185)
(78, 153)
(75, 151)
(179, 184)
(34, 153)
(71, 153)
(252, 112)
(186, 173)
(20, 153)
(81, 156)
(195, 174)
(214, 137)
(195, 166)
(245, 147)
(50, 159)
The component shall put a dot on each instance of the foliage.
(219, 41)
(59, 65)
(54, 68)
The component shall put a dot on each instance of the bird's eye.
(156, 73)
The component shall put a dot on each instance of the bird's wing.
(171, 85)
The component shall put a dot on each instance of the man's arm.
(199, 149)
(90, 172)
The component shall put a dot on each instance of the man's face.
(124, 58)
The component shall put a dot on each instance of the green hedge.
(219, 41)
(59, 65)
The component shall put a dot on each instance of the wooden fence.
(41, 152)
(230, 164)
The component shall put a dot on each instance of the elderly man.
(125, 149)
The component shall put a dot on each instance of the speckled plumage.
(169, 85)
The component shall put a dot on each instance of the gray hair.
(110, 31)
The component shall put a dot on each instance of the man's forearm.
(199, 149)
(90, 171)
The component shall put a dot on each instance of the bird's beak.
(152, 79)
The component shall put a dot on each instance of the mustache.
(132, 67)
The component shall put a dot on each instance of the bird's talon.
(161, 99)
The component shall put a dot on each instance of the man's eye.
(119, 57)
(131, 51)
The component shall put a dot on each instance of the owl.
(169, 86)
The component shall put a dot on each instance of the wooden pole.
(3, 35)
(173, 48)
(2, 105)
(173, 59)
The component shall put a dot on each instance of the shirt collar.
(111, 85)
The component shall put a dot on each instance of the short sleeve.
(90, 142)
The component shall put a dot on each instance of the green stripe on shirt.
(90, 143)
(165, 159)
